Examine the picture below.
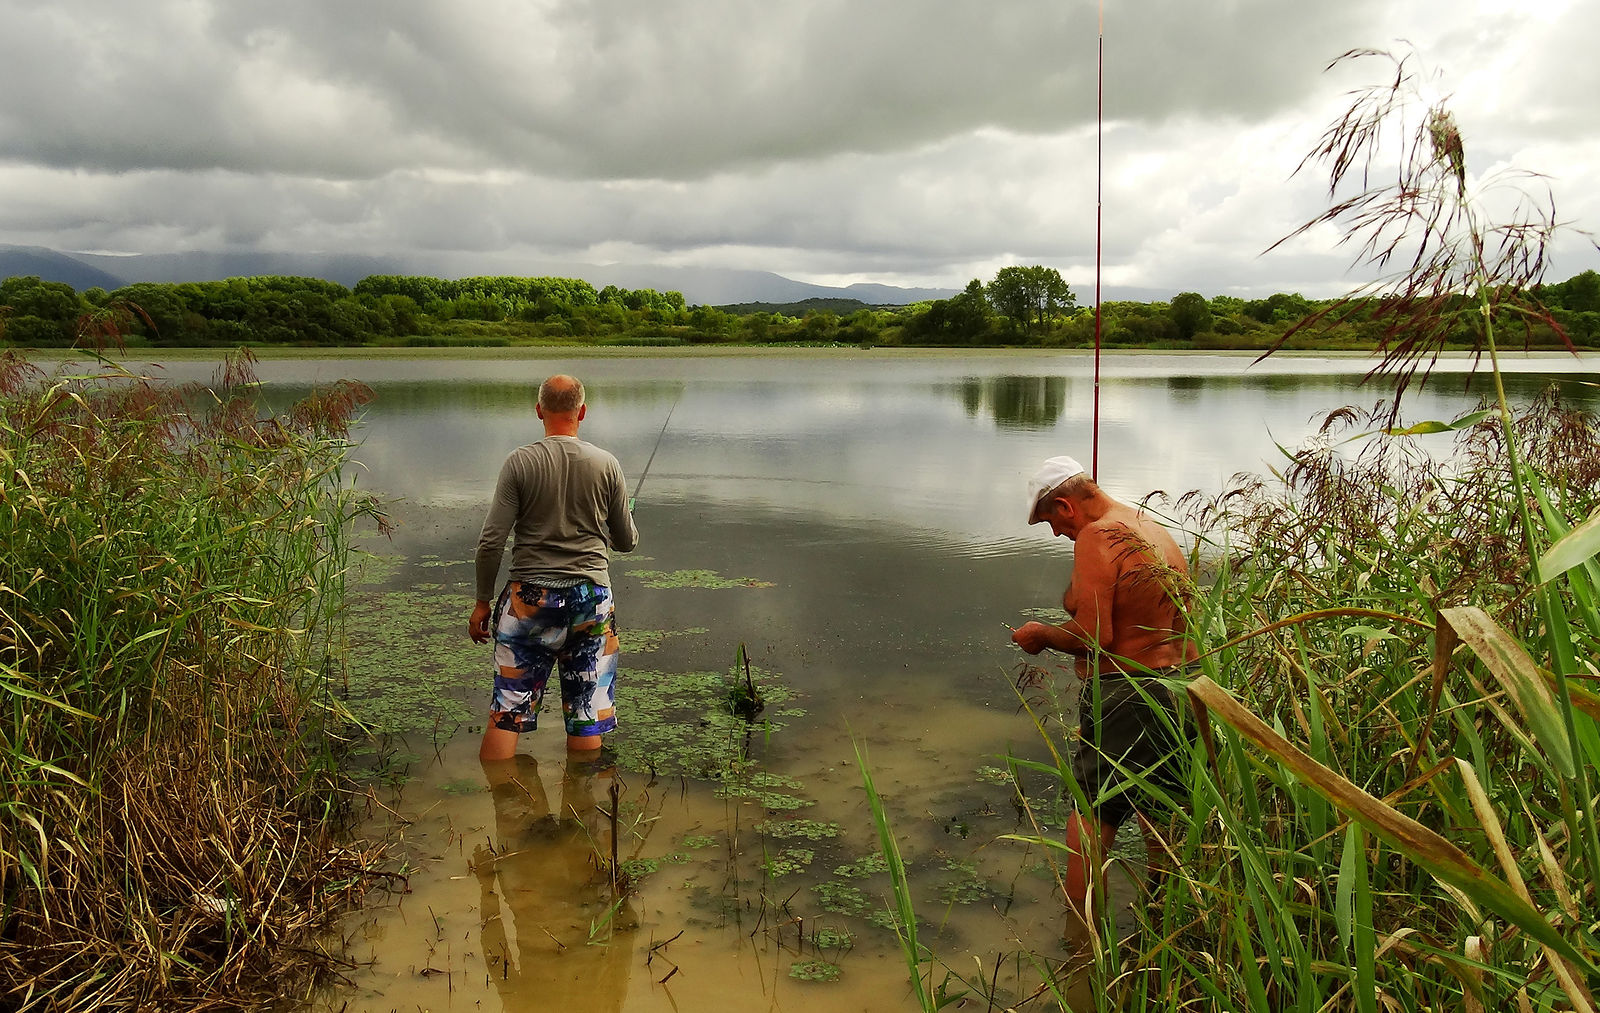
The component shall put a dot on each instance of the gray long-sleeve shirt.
(564, 502)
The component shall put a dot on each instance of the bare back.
(1129, 581)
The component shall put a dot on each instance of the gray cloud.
(894, 141)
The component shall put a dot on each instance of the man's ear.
(583, 410)
(538, 409)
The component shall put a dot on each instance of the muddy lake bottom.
(754, 874)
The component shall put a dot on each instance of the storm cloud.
(901, 142)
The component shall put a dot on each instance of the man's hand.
(1032, 637)
(478, 625)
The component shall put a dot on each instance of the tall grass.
(171, 570)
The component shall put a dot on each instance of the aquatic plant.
(743, 698)
(814, 970)
(171, 571)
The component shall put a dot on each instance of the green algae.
(411, 667)
(963, 885)
(1053, 616)
(863, 867)
(995, 775)
(673, 723)
(814, 970)
(811, 830)
(841, 898)
(788, 861)
(647, 641)
(661, 579)
(829, 938)
(370, 568)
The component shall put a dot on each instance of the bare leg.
(582, 743)
(498, 744)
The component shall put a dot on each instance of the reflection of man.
(1125, 620)
(564, 502)
(553, 936)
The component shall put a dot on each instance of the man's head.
(561, 405)
(560, 395)
(1056, 494)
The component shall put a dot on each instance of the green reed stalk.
(903, 910)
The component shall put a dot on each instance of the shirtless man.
(1124, 621)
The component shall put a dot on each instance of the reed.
(171, 574)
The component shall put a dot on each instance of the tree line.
(1020, 306)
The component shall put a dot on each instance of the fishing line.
(646, 473)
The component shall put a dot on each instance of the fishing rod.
(646, 473)
(1099, 175)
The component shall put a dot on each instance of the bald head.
(561, 395)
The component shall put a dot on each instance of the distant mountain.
(841, 307)
(37, 261)
(212, 266)
(699, 285)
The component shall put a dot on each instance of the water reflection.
(920, 446)
(1015, 402)
(552, 937)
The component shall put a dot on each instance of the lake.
(855, 521)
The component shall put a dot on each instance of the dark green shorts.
(1118, 724)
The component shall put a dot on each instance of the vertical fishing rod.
(644, 474)
(1099, 175)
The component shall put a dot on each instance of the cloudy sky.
(908, 142)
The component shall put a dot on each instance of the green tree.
(1190, 313)
(1030, 296)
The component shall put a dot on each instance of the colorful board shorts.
(1121, 731)
(567, 628)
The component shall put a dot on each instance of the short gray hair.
(561, 394)
(1078, 487)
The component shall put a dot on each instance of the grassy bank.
(171, 568)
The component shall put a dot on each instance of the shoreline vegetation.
(171, 578)
(1022, 307)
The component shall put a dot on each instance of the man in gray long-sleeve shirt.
(564, 502)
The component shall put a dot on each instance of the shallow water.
(856, 521)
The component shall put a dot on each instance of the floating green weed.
(861, 868)
(462, 786)
(368, 568)
(694, 842)
(674, 723)
(995, 775)
(841, 898)
(811, 830)
(789, 861)
(814, 970)
(411, 667)
(830, 938)
(661, 579)
(646, 641)
(965, 886)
